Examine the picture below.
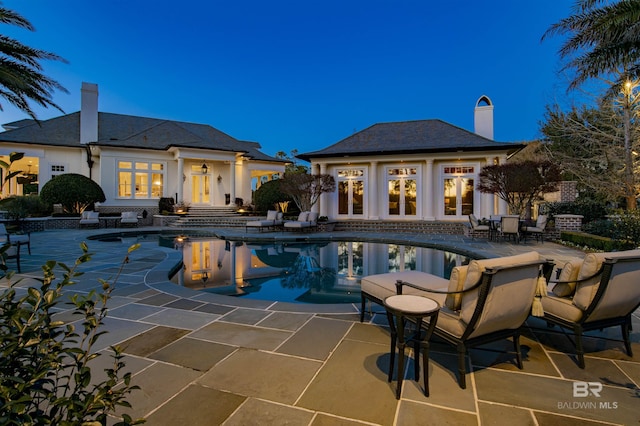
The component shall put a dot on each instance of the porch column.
(323, 197)
(373, 192)
(428, 193)
(232, 183)
(180, 188)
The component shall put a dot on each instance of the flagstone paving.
(205, 359)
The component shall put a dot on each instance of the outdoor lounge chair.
(90, 219)
(273, 220)
(6, 237)
(538, 230)
(306, 220)
(129, 219)
(484, 301)
(600, 291)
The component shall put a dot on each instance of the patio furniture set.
(511, 227)
(91, 218)
(490, 299)
(306, 221)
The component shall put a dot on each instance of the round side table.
(415, 308)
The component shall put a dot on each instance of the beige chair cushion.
(302, 217)
(562, 307)
(475, 270)
(569, 272)
(586, 290)
(382, 286)
(456, 283)
(312, 217)
(272, 215)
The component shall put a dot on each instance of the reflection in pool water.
(312, 272)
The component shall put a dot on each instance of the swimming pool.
(299, 272)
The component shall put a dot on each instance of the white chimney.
(483, 117)
(89, 113)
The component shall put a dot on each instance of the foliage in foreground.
(45, 372)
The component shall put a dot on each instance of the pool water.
(310, 272)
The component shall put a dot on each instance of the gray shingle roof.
(422, 136)
(128, 131)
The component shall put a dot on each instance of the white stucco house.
(136, 160)
(412, 170)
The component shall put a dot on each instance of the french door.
(402, 186)
(200, 188)
(459, 192)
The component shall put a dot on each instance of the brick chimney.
(483, 117)
(89, 113)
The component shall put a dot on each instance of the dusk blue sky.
(302, 74)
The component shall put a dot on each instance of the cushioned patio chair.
(90, 219)
(476, 227)
(306, 221)
(273, 220)
(129, 219)
(601, 291)
(538, 230)
(509, 227)
(12, 251)
(6, 237)
(484, 301)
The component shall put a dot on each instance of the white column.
(180, 188)
(323, 197)
(372, 193)
(429, 195)
(503, 207)
(232, 183)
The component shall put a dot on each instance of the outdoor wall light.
(205, 168)
(219, 179)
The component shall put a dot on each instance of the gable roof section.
(405, 137)
(126, 131)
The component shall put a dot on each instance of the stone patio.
(205, 359)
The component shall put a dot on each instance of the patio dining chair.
(8, 252)
(537, 230)
(494, 303)
(23, 239)
(510, 227)
(476, 227)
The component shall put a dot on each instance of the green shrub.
(590, 209)
(19, 207)
(75, 192)
(595, 242)
(45, 373)
(268, 195)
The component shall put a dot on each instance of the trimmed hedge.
(596, 242)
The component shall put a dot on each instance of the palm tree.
(604, 37)
(21, 77)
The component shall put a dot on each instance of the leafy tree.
(589, 142)
(21, 77)
(292, 166)
(519, 184)
(45, 363)
(75, 192)
(269, 195)
(305, 189)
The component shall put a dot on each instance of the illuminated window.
(140, 179)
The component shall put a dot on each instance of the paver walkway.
(204, 359)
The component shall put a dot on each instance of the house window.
(459, 192)
(350, 184)
(57, 169)
(140, 179)
(402, 184)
